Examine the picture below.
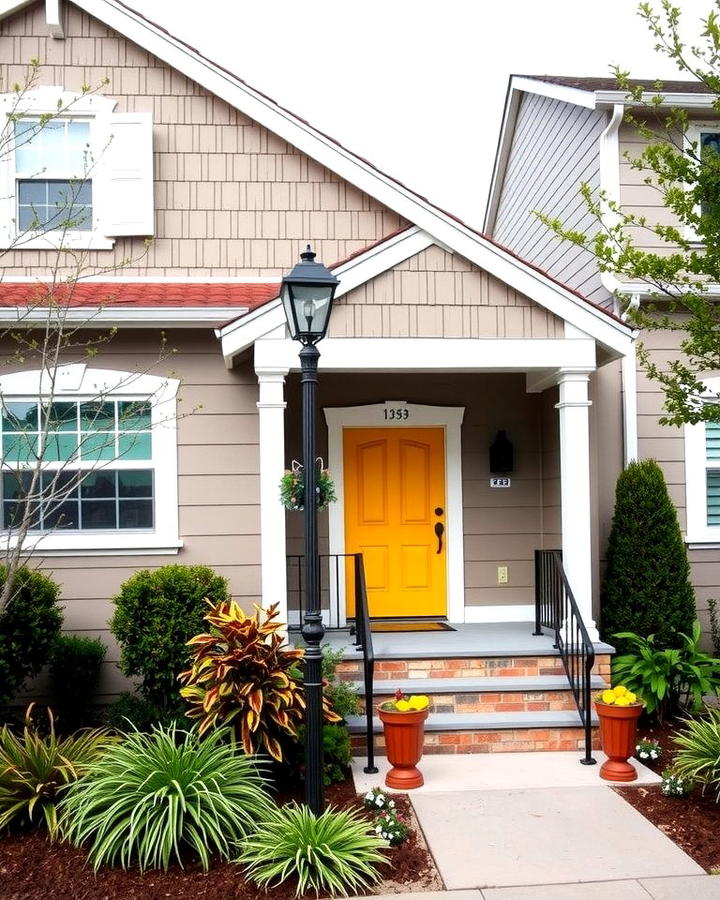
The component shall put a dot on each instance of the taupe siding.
(231, 198)
(502, 527)
(555, 148)
(440, 294)
(218, 466)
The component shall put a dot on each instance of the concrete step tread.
(484, 721)
(477, 685)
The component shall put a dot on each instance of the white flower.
(379, 801)
(391, 804)
(378, 829)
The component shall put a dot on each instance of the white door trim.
(419, 416)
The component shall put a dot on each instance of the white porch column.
(271, 408)
(575, 488)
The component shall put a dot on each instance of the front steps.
(483, 703)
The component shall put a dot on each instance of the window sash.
(110, 437)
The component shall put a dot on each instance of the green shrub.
(131, 712)
(698, 759)
(668, 681)
(332, 852)
(156, 614)
(342, 695)
(29, 626)
(35, 769)
(75, 673)
(163, 795)
(646, 589)
(337, 752)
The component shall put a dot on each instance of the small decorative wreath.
(292, 487)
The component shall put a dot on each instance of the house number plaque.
(396, 413)
(500, 482)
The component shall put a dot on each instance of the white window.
(702, 478)
(90, 462)
(703, 138)
(73, 173)
(53, 175)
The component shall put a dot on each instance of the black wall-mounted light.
(501, 454)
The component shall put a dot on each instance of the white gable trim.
(238, 336)
(443, 228)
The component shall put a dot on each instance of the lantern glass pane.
(312, 305)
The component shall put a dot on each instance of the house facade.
(557, 133)
(441, 340)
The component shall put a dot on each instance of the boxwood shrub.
(29, 626)
(156, 614)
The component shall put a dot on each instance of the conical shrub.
(646, 587)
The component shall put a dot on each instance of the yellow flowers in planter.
(401, 703)
(617, 696)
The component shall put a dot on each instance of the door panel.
(394, 481)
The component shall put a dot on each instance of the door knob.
(439, 531)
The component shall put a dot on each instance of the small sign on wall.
(500, 482)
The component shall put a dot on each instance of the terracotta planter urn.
(404, 737)
(618, 735)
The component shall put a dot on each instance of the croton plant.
(241, 675)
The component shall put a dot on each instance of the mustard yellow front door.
(395, 516)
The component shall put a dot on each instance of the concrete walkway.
(540, 826)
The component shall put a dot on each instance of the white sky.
(415, 86)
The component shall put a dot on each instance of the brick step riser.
(503, 701)
(510, 740)
(493, 667)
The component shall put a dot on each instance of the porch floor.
(468, 640)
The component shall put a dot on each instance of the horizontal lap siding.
(555, 149)
(665, 443)
(231, 198)
(440, 294)
(218, 465)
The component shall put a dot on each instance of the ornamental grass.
(165, 795)
(333, 852)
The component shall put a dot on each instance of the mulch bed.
(31, 868)
(692, 823)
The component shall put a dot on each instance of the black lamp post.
(307, 296)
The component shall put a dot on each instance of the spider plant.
(162, 795)
(36, 768)
(698, 759)
(333, 852)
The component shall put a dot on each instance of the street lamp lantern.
(307, 295)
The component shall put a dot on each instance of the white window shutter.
(127, 189)
(8, 189)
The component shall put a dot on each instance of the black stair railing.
(557, 610)
(363, 642)
(341, 573)
(336, 573)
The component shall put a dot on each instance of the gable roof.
(436, 224)
(601, 93)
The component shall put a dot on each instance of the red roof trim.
(137, 294)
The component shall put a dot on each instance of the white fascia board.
(502, 154)
(682, 100)
(239, 336)
(432, 355)
(441, 226)
(127, 317)
(576, 96)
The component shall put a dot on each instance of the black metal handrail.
(557, 609)
(363, 643)
(334, 582)
(333, 579)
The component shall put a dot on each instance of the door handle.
(439, 531)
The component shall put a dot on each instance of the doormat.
(410, 626)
